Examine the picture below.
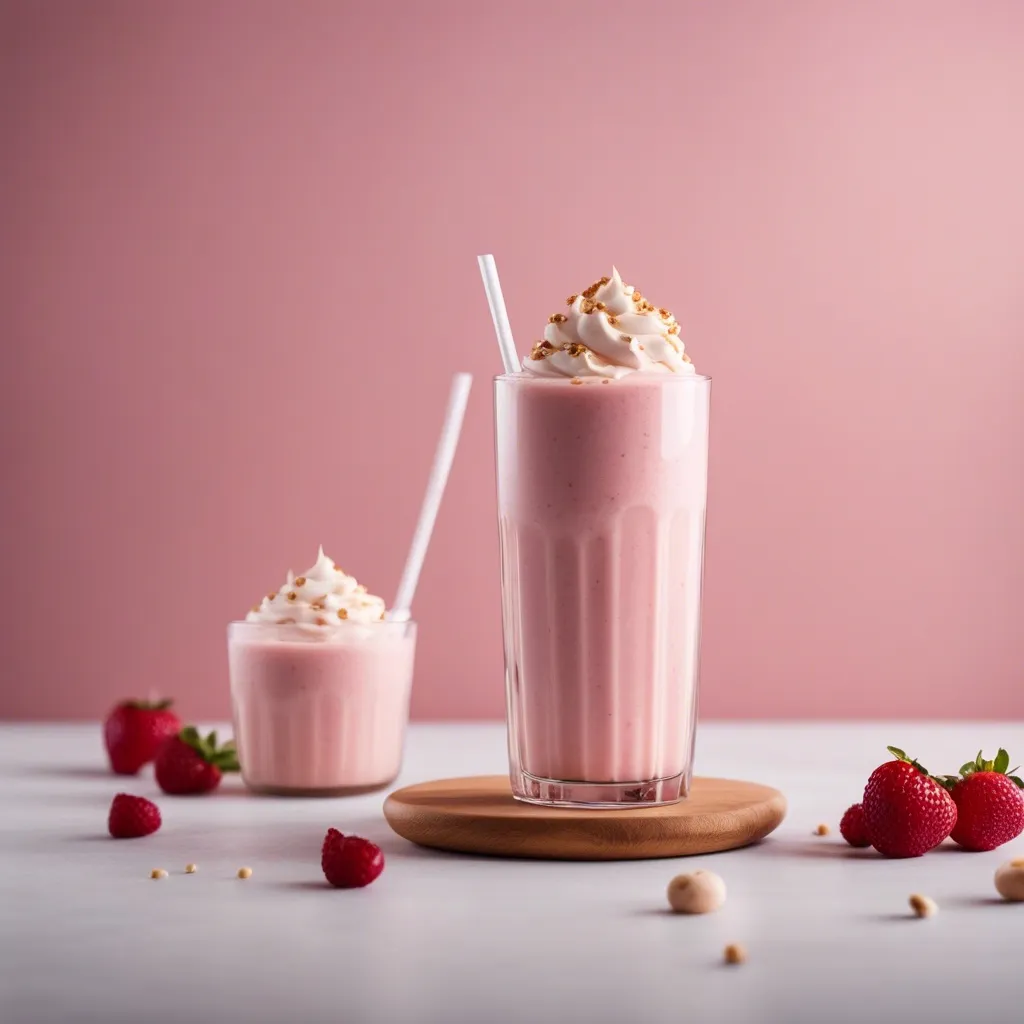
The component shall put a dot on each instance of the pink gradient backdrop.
(238, 271)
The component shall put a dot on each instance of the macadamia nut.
(1010, 880)
(697, 893)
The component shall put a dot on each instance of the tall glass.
(602, 491)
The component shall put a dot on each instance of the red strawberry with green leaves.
(989, 802)
(135, 730)
(190, 763)
(906, 811)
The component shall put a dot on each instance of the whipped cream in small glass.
(319, 599)
(609, 330)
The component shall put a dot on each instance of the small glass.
(320, 712)
(602, 492)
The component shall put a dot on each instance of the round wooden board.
(480, 815)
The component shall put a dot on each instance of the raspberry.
(350, 862)
(853, 828)
(132, 816)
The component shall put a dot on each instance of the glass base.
(532, 789)
(266, 789)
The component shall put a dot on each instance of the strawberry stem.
(225, 757)
(999, 765)
(901, 756)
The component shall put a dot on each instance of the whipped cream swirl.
(609, 330)
(321, 597)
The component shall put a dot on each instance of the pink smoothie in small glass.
(320, 684)
(323, 715)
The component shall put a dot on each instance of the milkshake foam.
(609, 330)
(318, 600)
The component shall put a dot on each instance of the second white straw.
(443, 458)
(502, 328)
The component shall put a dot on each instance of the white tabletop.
(88, 936)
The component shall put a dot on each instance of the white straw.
(489, 272)
(443, 458)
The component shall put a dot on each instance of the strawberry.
(853, 828)
(989, 803)
(132, 816)
(189, 763)
(906, 811)
(134, 732)
(350, 862)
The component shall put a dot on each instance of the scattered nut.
(1010, 880)
(190, 869)
(699, 893)
(822, 830)
(735, 954)
(158, 873)
(245, 872)
(922, 906)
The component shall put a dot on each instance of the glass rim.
(522, 376)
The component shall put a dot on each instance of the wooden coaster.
(479, 815)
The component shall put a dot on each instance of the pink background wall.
(238, 270)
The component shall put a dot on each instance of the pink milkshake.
(320, 685)
(602, 447)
